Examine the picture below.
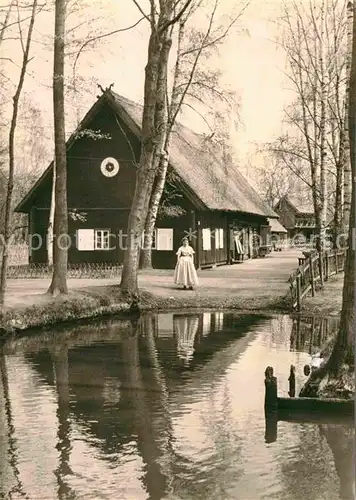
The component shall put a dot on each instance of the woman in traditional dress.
(185, 273)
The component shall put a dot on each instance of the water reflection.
(170, 406)
(185, 329)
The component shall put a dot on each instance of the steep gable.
(213, 181)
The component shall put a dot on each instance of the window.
(102, 239)
(85, 239)
(164, 239)
(154, 240)
(93, 239)
(206, 239)
(219, 238)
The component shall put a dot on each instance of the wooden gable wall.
(87, 186)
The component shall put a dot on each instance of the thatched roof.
(213, 179)
(301, 206)
(276, 226)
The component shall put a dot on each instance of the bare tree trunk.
(339, 190)
(323, 153)
(154, 124)
(146, 255)
(347, 166)
(10, 182)
(177, 100)
(60, 244)
(344, 348)
(51, 219)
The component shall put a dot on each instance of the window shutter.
(206, 239)
(221, 234)
(217, 239)
(85, 239)
(164, 239)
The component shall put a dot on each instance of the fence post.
(321, 271)
(298, 279)
(326, 265)
(336, 262)
(312, 280)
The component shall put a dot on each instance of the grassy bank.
(98, 301)
(327, 300)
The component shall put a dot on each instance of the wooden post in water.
(271, 398)
(271, 406)
(291, 381)
(271, 421)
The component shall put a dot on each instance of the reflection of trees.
(310, 333)
(310, 458)
(341, 440)
(59, 356)
(8, 451)
(149, 439)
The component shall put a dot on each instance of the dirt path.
(257, 281)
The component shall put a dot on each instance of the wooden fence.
(314, 270)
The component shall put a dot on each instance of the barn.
(222, 214)
(297, 217)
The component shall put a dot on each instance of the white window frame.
(219, 239)
(164, 239)
(85, 240)
(154, 245)
(106, 246)
(206, 240)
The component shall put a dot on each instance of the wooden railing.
(314, 269)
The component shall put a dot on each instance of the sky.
(251, 63)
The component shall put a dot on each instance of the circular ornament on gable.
(109, 167)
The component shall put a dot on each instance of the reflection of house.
(296, 217)
(212, 195)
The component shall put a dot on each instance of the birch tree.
(304, 48)
(344, 348)
(26, 46)
(154, 127)
(192, 80)
(346, 176)
(315, 43)
(338, 373)
(60, 226)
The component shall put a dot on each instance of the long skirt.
(185, 273)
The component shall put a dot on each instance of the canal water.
(166, 407)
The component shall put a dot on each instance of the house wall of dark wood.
(286, 214)
(292, 221)
(104, 203)
(211, 221)
(87, 186)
